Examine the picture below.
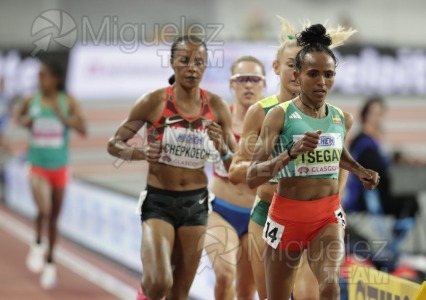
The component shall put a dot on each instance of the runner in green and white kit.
(306, 285)
(306, 204)
(49, 114)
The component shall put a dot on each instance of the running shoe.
(35, 258)
(48, 277)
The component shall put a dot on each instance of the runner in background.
(227, 234)
(49, 115)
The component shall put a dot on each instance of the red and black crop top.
(184, 141)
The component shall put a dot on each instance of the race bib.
(272, 232)
(340, 217)
(186, 148)
(324, 160)
(48, 133)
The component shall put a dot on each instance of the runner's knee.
(225, 275)
(329, 287)
(157, 287)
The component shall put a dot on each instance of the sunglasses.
(248, 77)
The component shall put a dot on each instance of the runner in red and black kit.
(229, 220)
(184, 143)
(174, 204)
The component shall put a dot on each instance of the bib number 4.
(272, 232)
(340, 217)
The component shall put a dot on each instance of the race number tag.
(48, 133)
(272, 232)
(324, 160)
(340, 217)
(185, 148)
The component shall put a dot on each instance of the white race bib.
(272, 232)
(340, 217)
(186, 148)
(324, 160)
(48, 132)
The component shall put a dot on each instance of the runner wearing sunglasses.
(249, 77)
(227, 240)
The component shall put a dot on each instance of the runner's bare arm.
(22, 114)
(343, 174)
(369, 178)
(75, 118)
(251, 130)
(262, 169)
(222, 135)
(140, 113)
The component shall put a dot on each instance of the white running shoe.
(48, 277)
(35, 258)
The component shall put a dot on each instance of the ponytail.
(172, 79)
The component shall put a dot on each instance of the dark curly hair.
(313, 39)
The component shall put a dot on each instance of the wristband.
(289, 153)
(227, 155)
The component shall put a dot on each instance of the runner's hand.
(214, 131)
(308, 143)
(151, 151)
(370, 179)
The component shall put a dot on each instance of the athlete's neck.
(49, 95)
(239, 111)
(186, 95)
(285, 95)
(308, 107)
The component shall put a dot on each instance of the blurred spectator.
(367, 150)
